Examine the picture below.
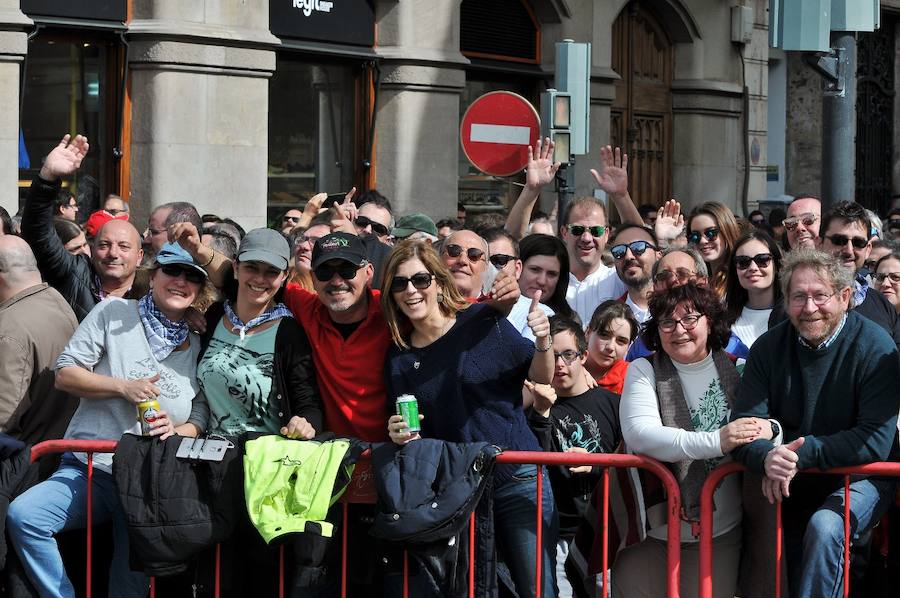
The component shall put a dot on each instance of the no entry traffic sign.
(496, 131)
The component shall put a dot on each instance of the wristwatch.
(776, 429)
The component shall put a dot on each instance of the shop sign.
(100, 10)
(334, 21)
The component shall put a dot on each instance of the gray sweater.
(110, 341)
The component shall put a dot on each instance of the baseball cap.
(338, 246)
(265, 245)
(413, 223)
(173, 254)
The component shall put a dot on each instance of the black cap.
(339, 246)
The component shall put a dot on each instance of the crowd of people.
(690, 338)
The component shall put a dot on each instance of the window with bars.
(499, 30)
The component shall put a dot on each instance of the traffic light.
(556, 122)
(573, 77)
(807, 24)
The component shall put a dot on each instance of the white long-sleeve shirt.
(644, 432)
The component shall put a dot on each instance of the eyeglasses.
(420, 280)
(881, 276)
(801, 299)
(154, 231)
(688, 322)
(568, 356)
(578, 229)
(112, 211)
(682, 274)
(500, 260)
(637, 249)
(346, 270)
(307, 239)
(377, 227)
(842, 240)
(806, 219)
(710, 234)
(294, 219)
(473, 253)
(742, 262)
(190, 274)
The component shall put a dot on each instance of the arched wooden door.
(641, 115)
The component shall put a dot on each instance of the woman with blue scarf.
(124, 352)
(256, 369)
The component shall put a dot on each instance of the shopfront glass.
(68, 89)
(312, 131)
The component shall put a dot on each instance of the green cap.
(413, 223)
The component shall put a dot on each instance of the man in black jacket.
(81, 280)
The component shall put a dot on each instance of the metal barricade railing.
(362, 490)
(706, 518)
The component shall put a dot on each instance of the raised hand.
(537, 318)
(65, 158)
(614, 179)
(345, 214)
(187, 236)
(544, 396)
(541, 168)
(669, 220)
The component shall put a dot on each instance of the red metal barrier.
(706, 518)
(362, 490)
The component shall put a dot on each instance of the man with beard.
(82, 280)
(634, 248)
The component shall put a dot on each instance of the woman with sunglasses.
(675, 408)
(752, 300)
(713, 230)
(466, 366)
(545, 268)
(123, 353)
(887, 278)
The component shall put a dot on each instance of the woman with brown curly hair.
(713, 230)
(675, 408)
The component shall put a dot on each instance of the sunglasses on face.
(637, 249)
(473, 253)
(500, 260)
(377, 227)
(682, 274)
(742, 262)
(190, 274)
(842, 240)
(807, 220)
(709, 234)
(881, 276)
(346, 270)
(420, 280)
(294, 219)
(578, 229)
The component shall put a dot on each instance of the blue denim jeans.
(821, 571)
(58, 504)
(515, 525)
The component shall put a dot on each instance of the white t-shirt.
(518, 316)
(644, 432)
(751, 325)
(641, 314)
(585, 295)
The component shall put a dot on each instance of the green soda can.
(408, 408)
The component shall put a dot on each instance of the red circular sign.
(496, 131)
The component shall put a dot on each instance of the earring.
(440, 297)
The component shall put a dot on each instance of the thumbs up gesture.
(537, 319)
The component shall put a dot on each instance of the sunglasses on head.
(346, 270)
(578, 229)
(806, 219)
(377, 227)
(637, 249)
(709, 234)
(500, 260)
(842, 240)
(473, 253)
(420, 280)
(742, 262)
(190, 274)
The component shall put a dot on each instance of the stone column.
(199, 81)
(13, 47)
(417, 122)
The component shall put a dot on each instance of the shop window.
(312, 131)
(71, 87)
(499, 30)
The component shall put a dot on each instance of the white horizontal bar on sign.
(501, 134)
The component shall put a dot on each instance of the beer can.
(147, 413)
(408, 408)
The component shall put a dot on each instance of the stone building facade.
(247, 108)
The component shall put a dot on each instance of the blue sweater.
(468, 383)
(843, 399)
